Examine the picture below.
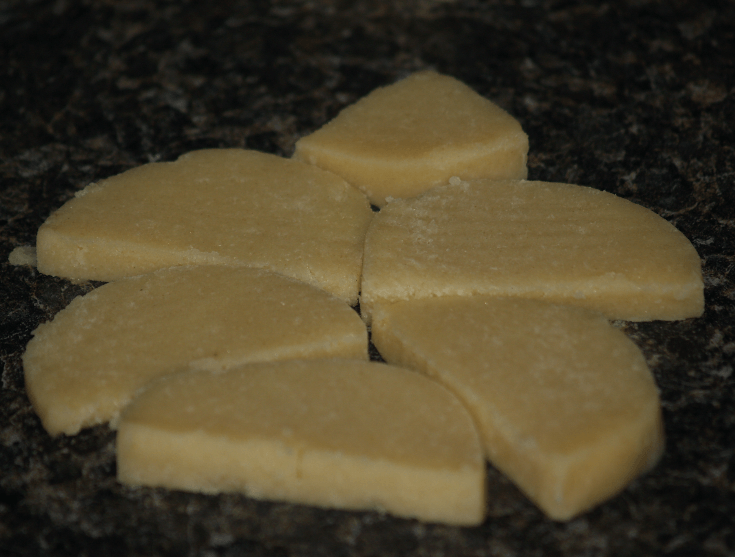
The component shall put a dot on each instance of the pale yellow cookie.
(83, 367)
(331, 433)
(557, 242)
(402, 139)
(217, 206)
(565, 403)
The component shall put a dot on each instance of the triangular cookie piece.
(565, 403)
(217, 206)
(405, 138)
(332, 433)
(557, 242)
(85, 365)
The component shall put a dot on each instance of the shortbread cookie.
(557, 242)
(86, 364)
(331, 433)
(403, 139)
(217, 206)
(565, 403)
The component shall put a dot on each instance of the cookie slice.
(565, 403)
(83, 367)
(557, 242)
(216, 206)
(331, 433)
(405, 138)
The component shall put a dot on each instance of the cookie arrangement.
(570, 426)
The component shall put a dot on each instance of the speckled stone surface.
(636, 98)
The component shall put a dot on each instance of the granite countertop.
(636, 98)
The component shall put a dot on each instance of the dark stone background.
(636, 98)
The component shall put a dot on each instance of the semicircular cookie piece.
(565, 403)
(86, 364)
(331, 433)
(405, 138)
(215, 206)
(557, 242)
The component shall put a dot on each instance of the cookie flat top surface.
(559, 242)
(332, 433)
(216, 206)
(556, 375)
(406, 137)
(565, 403)
(359, 408)
(425, 112)
(86, 364)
